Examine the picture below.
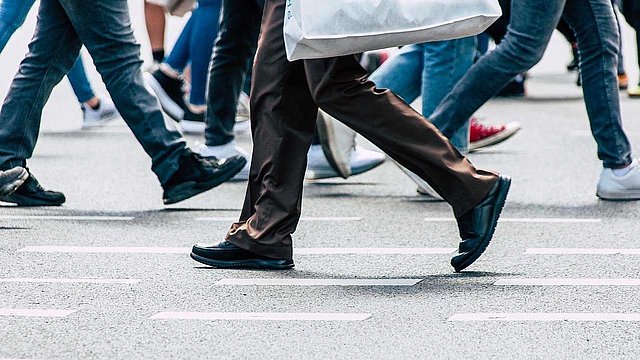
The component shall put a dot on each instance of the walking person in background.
(155, 21)
(194, 46)
(104, 28)
(96, 111)
(285, 98)
(529, 32)
(631, 11)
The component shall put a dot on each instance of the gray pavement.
(137, 248)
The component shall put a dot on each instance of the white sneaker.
(361, 160)
(423, 187)
(627, 187)
(226, 151)
(243, 115)
(95, 118)
(12, 179)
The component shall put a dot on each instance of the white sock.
(625, 170)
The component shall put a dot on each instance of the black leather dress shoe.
(225, 255)
(478, 225)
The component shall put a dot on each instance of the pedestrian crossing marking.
(568, 282)
(261, 316)
(70, 281)
(312, 218)
(582, 251)
(527, 220)
(320, 282)
(35, 312)
(545, 317)
(67, 218)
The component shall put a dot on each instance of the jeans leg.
(12, 15)
(400, 73)
(595, 27)
(205, 31)
(445, 62)
(52, 51)
(79, 82)
(233, 51)
(105, 29)
(532, 23)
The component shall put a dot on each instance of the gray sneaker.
(92, 118)
(627, 187)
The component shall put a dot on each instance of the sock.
(158, 55)
(625, 170)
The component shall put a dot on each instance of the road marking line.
(581, 251)
(529, 220)
(373, 251)
(70, 281)
(35, 312)
(545, 317)
(320, 282)
(67, 218)
(568, 282)
(187, 250)
(325, 218)
(261, 316)
(107, 249)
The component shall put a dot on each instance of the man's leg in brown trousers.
(285, 97)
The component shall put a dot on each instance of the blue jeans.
(12, 16)
(429, 70)
(195, 46)
(532, 23)
(104, 27)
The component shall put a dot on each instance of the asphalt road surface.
(108, 276)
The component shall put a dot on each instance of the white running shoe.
(99, 117)
(226, 151)
(362, 160)
(243, 115)
(627, 187)
(12, 179)
(423, 187)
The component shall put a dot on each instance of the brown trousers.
(285, 97)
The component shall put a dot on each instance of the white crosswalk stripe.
(70, 281)
(265, 316)
(546, 317)
(568, 282)
(35, 312)
(526, 220)
(582, 251)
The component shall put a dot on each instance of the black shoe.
(225, 255)
(478, 224)
(198, 174)
(169, 91)
(31, 193)
(193, 123)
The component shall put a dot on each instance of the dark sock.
(158, 55)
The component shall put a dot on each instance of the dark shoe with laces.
(31, 193)
(170, 93)
(197, 174)
(225, 255)
(478, 225)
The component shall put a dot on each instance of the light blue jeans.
(429, 70)
(12, 16)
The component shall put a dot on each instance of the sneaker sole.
(619, 196)
(169, 106)
(246, 264)
(99, 123)
(496, 139)
(330, 173)
(190, 189)
(504, 191)
(23, 201)
(193, 127)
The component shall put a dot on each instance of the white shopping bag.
(328, 28)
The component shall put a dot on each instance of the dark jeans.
(104, 28)
(232, 55)
(531, 26)
(285, 97)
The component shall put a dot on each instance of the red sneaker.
(482, 135)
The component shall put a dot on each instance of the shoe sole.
(495, 140)
(330, 173)
(99, 123)
(505, 184)
(245, 264)
(190, 189)
(621, 196)
(169, 106)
